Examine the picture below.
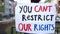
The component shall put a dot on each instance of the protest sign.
(35, 17)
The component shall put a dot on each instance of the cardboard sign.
(35, 17)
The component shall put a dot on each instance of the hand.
(14, 4)
(57, 9)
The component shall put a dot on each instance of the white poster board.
(35, 17)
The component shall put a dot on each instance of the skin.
(14, 4)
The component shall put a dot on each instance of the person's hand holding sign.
(14, 4)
